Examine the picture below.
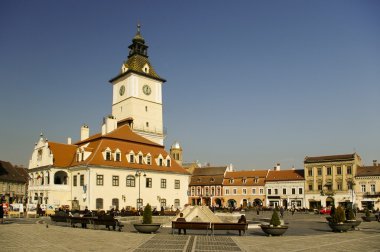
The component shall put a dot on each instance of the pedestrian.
(181, 219)
(258, 210)
(293, 210)
(282, 210)
(242, 220)
(1, 213)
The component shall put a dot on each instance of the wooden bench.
(229, 226)
(191, 225)
(80, 220)
(108, 222)
(59, 218)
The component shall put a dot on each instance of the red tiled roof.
(285, 175)
(122, 138)
(363, 171)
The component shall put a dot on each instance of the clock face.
(122, 90)
(146, 90)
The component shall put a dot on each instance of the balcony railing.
(371, 194)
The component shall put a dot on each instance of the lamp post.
(351, 184)
(138, 174)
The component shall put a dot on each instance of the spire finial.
(138, 27)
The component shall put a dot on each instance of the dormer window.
(160, 162)
(140, 159)
(168, 163)
(244, 180)
(118, 156)
(231, 181)
(108, 155)
(212, 180)
(131, 158)
(149, 160)
(256, 180)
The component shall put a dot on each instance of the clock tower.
(137, 93)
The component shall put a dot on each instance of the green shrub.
(351, 215)
(339, 215)
(367, 213)
(147, 215)
(275, 220)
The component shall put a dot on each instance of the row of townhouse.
(325, 180)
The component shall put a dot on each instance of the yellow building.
(329, 179)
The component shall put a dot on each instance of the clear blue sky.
(250, 83)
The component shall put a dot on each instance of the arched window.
(99, 203)
(60, 178)
(130, 181)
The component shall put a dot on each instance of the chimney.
(109, 124)
(69, 140)
(277, 167)
(84, 132)
(374, 162)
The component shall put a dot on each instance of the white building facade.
(122, 166)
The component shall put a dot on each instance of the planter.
(274, 230)
(369, 219)
(340, 227)
(354, 223)
(329, 218)
(147, 228)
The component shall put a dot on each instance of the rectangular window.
(349, 170)
(339, 186)
(293, 190)
(115, 180)
(310, 171)
(148, 183)
(140, 159)
(81, 180)
(310, 187)
(177, 184)
(99, 179)
(149, 160)
(108, 156)
(275, 191)
(227, 191)
(261, 191)
(168, 163)
(339, 170)
(235, 191)
(284, 191)
(176, 203)
(269, 191)
(328, 170)
(244, 191)
(299, 190)
(75, 180)
(319, 170)
(160, 162)
(117, 156)
(373, 188)
(163, 183)
(363, 188)
(131, 158)
(253, 191)
(319, 187)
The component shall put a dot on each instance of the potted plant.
(274, 228)
(337, 223)
(368, 217)
(147, 226)
(350, 216)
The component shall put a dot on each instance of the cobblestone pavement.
(306, 233)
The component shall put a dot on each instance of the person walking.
(282, 210)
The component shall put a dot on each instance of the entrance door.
(285, 203)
